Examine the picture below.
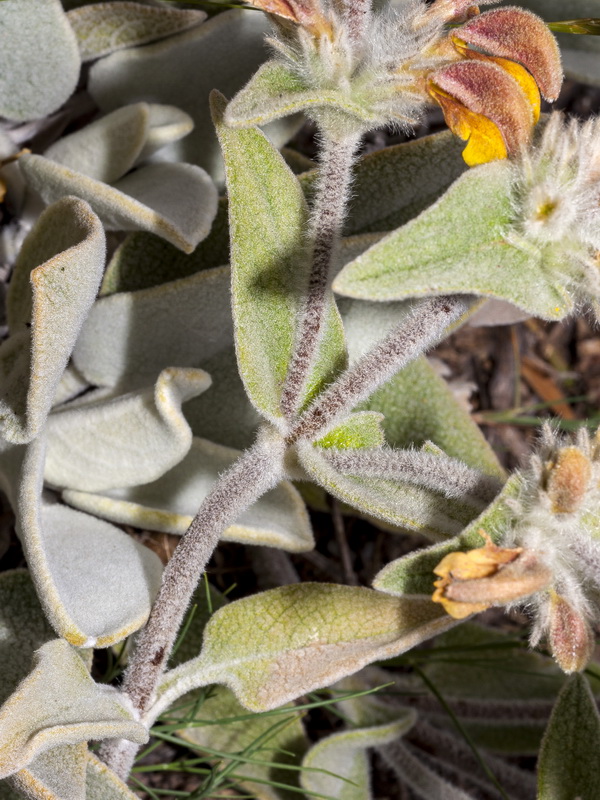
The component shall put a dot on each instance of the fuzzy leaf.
(103, 784)
(175, 201)
(224, 414)
(23, 628)
(222, 53)
(112, 145)
(104, 28)
(55, 774)
(381, 202)
(569, 761)
(280, 741)
(272, 647)
(409, 507)
(413, 574)
(276, 90)
(278, 519)
(448, 250)
(123, 441)
(270, 269)
(359, 430)
(68, 244)
(103, 590)
(131, 336)
(144, 260)
(59, 703)
(344, 754)
(417, 404)
(59, 773)
(39, 62)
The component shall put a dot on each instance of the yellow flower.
(491, 95)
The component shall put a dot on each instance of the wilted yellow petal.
(457, 610)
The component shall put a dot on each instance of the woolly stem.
(403, 344)
(358, 16)
(259, 469)
(329, 209)
(449, 476)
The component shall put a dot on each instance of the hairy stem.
(449, 476)
(259, 469)
(423, 329)
(329, 209)
(358, 15)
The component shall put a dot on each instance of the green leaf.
(221, 53)
(102, 783)
(270, 268)
(59, 773)
(59, 703)
(278, 519)
(23, 628)
(413, 574)
(122, 441)
(109, 147)
(130, 337)
(54, 284)
(359, 430)
(344, 754)
(569, 761)
(393, 185)
(175, 201)
(55, 774)
(411, 508)
(276, 91)
(448, 249)
(102, 590)
(589, 26)
(144, 260)
(104, 28)
(272, 647)
(39, 61)
(417, 404)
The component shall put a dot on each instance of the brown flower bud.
(307, 13)
(521, 36)
(571, 638)
(568, 477)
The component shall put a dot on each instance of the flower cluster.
(557, 203)
(486, 70)
(548, 560)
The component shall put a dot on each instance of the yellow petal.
(485, 141)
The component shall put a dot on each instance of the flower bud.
(570, 636)
(568, 479)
